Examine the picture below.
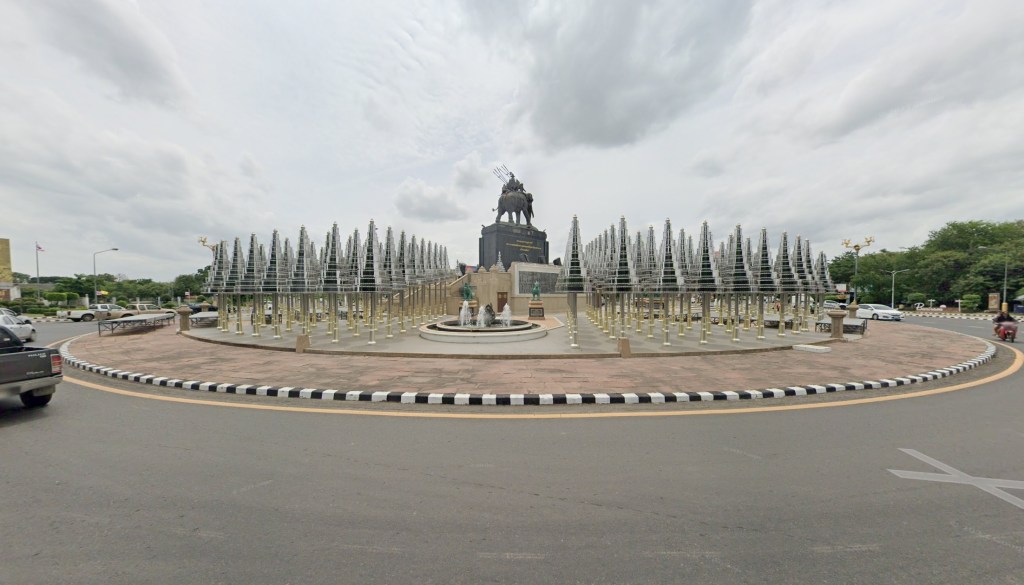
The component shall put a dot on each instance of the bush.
(970, 302)
(914, 298)
(55, 297)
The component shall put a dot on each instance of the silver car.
(878, 312)
(24, 331)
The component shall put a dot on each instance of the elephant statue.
(516, 202)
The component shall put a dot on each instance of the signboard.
(841, 287)
(993, 301)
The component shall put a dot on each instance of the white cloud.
(607, 74)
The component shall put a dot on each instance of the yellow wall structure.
(6, 272)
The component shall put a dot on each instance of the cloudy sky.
(145, 124)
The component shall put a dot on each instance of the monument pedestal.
(515, 243)
(536, 310)
(473, 306)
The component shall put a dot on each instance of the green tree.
(840, 268)
(56, 297)
(191, 283)
(81, 284)
(970, 303)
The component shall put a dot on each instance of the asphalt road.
(107, 488)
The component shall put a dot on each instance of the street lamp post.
(856, 260)
(892, 297)
(95, 287)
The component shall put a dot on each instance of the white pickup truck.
(111, 311)
(143, 309)
(97, 311)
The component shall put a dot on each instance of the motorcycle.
(1007, 331)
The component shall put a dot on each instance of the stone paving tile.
(888, 350)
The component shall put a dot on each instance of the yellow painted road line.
(1018, 361)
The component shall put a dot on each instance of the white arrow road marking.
(956, 476)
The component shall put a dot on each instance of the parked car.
(24, 331)
(834, 306)
(13, 313)
(198, 307)
(882, 312)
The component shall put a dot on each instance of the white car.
(883, 312)
(24, 331)
(16, 316)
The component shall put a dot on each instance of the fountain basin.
(452, 332)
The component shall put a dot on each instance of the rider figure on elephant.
(513, 184)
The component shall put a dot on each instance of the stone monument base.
(515, 243)
(536, 310)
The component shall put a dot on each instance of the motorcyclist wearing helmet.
(1002, 317)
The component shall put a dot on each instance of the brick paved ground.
(888, 350)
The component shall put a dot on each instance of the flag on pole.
(39, 248)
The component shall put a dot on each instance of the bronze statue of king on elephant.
(515, 202)
(514, 199)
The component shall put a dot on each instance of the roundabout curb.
(513, 399)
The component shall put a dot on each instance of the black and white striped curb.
(972, 317)
(50, 320)
(520, 399)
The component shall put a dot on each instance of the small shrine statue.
(536, 291)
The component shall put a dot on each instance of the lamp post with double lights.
(95, 287)
(856, 262)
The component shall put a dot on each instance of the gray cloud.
(470, 173)
(417, 200)
(608, 73)
(707, 165)
(114, 41)
(110, 187)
